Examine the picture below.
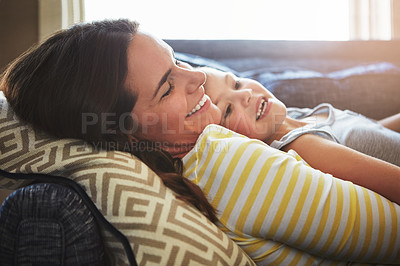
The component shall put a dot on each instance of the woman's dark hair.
(72, 86)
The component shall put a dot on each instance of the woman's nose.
(194, 79)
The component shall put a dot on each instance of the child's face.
(247, 107)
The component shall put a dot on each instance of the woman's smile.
(201, 106)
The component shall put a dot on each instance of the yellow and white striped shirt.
(283, 212)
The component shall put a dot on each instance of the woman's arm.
(391, 122)
(348, 164)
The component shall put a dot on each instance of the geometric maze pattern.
(161, 229)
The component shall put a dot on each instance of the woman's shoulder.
(218, 141)
(218, 134)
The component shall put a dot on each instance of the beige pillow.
(161, 229)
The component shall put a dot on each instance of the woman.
(109, 83)
(77, 85)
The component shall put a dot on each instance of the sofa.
(123, 214)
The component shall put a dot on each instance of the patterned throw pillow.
(161, 229)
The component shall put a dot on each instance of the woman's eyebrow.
(162, 81)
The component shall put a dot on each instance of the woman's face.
(247, 107)
(172, 108)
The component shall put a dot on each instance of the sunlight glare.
(231, 19)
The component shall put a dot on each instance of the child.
(319, 136)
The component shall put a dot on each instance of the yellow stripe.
(213, 137)
(265, 254)
(338, 216)
(250, 248)
(368, 232)
(192, 159)
(322, 224)
(227, 175)
(350, 219)
(310, 261)
(189, 163)
(211, 178)
(196, 157)
(284, 253)
(285, 200)
(205, 164)
(356, 231)
(240, 184)
(393, 234)
(246, 241)
(215, 167)
(299, 206)
(297, 257)
(210, 151)
(311, 215)
(382, 224)
(264, 208)
(255, 189)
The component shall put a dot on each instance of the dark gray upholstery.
(48, 224)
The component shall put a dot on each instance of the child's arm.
(348, 164)
(391, 122)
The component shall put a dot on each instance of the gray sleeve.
(294, 134)
(381, 143)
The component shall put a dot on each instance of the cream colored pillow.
(161, 229)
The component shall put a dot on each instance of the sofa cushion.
(371, 89)
(160, 228)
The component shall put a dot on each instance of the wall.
(18, 28)
(24, 23)
(18, 31)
